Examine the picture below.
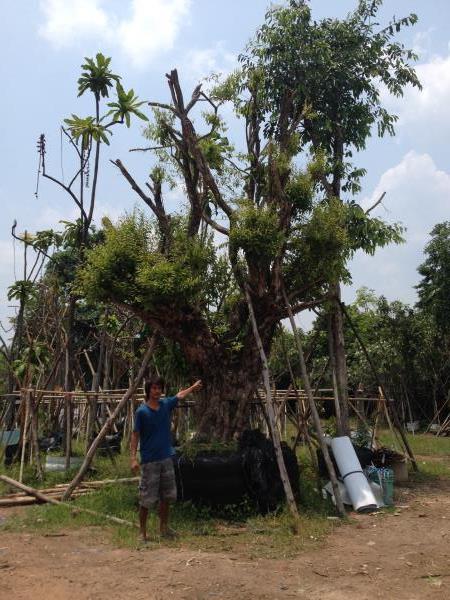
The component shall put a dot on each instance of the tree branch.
(68, 190)
(215, 225)
(380, 199)
(118, 163)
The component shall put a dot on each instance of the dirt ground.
(402, 555)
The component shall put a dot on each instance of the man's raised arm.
(194, 388)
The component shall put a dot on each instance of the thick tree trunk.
(223, 410)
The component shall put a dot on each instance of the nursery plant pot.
(222, 478)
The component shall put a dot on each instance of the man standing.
(152, 431)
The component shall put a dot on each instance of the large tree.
(337, 68)
(256, 217)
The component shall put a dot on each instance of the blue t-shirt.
(153, 427)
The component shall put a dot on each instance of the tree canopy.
(264, 217)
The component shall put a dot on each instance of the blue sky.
(43, 44)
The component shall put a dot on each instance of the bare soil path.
(403, 555)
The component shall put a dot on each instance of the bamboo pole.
(315, 415)
(24, 435)
(271, 417)
(108, 423)
(34, 436)
(68, 432)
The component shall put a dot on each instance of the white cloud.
(201, 63)
(422, 42)
(150, 29)
(66, 21)
(50, 216)
(418, 196)
(425, 113)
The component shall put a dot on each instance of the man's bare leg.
(163, 516)
(143, 515)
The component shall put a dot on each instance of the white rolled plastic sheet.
(355, 481)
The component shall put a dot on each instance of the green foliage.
(43, 240)
(318, 248)
(369, 233)
(214, 147)
(335, 68)
(129, 267)
(21, 290)
(434, 287)
(256, 231)
(32, 358)
(87, 129)
(126, 105)
(409, 351)
(97, 77)
(111, 269)
(192, 448)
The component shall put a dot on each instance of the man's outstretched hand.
(194, 388)
(197, 386)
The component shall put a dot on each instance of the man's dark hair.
(153, 381)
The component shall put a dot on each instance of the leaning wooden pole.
(314, 412)
(45, 498)
(26, 397)
(271, 417)
(109, 422)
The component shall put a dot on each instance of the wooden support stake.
(24, 434)
(315, 415)
(271, 418)
(34, 436)
(68, 420)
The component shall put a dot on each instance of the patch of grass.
(268, 536)
(432, 454)
(234, 528)
(102, 468)
(423, 444)
(192, 448)
(432, 470)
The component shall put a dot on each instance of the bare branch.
(156, 205)
(195, 98)
(70, 138)
(26, 242)
(215, 225)
(68, 190)
(118, 163)
(163, 106)
(380, 199)
(148, 149)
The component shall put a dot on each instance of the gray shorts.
(157, 483)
